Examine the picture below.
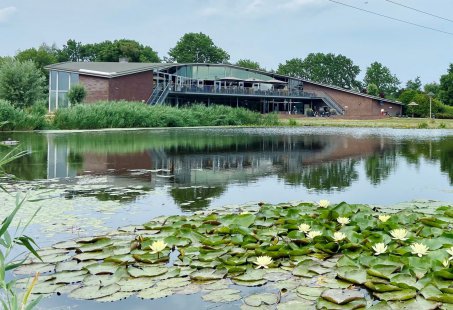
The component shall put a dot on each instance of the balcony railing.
(236, 90)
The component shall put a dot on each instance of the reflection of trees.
(378, 167)
(326, 176)
(196, 194)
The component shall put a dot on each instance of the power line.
(420, 11)
(392, 18)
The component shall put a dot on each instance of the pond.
(94, 182)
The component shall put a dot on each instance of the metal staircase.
(331, 103)
(159, 95)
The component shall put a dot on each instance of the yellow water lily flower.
(263, 262)
(343, 220)
(338, 236)
(379, 248)
(324, 203)
(305, 228)
(399, 234)
(419, 249)
(446, 263)
(158, 246)
(314, 233)
(384, 218)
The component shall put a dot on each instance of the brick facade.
(355, 105)
(133, 87)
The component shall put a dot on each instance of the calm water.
(183, 170)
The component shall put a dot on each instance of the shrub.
(21, 83)
(77, 94)
(17, 119)
(124, 114)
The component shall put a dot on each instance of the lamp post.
(430, 94)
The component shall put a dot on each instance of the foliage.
(77, 94)
(247, 63)
(432, 88)
(372, 89)
(9, 297)
(41, 56)
(129, 115)
(21, 83)
(197, 48)
(323, 68)
(446, 87)
(416, 84)
(295, 244)
(18, 119)
(422, 109)
(107, 50)
(381, 76)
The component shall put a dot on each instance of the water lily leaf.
(217, 285)
(173, 283)
(257, 300)
(91, 256)
(226, 295)
(94, 292)
(120, 259)
(405, 281)
(382, 305)
(72, 265)
(295, 304)
(208, 274)
(48, 287)
(67, 277)
(56, 258)
(356, 304)
(146, 271)
(382, 288)
(249, 283)
(155, 293)
(397, 295)
(177, 241)
(102, 268)
(341, 296)
(382, 271)
(135, 284)
(34, 268)
(244, 220)
(115, 297)
(151, 258)
(98, 245)
(310, 291)
(418, 303)
(275, 275)
(430, 292)
(251, 275)
(66, 245)
(352, 274)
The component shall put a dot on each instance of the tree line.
(332, 69)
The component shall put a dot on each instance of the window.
(63, 81)
(53, 80)
(60, 83)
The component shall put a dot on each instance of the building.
(181, 84)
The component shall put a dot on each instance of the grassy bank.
(134, 114)
(392, 122)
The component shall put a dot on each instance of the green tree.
(432, 87)
(247, 63)
(381, 76)
(197, 48)
(422, 109)
(372, 89)
(72, 51)
(323, 68)
(415, 84)
(446, 87)
(77, 94)
(293, 67)
(42, 56)
(21, 83)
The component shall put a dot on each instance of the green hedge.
(17, 119)
(124, 114)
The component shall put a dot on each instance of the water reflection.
(199, 165)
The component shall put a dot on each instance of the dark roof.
(106, 69)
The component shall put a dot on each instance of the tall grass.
(136, 114)
(17, 119)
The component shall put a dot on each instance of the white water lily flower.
(379, 248)
(399, 234)
(263, 262)
(314, 233)
(338, 236)
(384, 218)
(343, 220)
(446, 263)
(158, 246)
(305, 228)
(323, 203)
(419, 249)
(450, 251)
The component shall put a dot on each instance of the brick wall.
(97, 88)
(354, 105)
(133, 87)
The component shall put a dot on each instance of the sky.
(267, 31)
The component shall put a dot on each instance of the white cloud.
(6, 13)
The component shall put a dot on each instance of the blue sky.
(268, 31)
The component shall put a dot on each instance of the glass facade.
(206, 72)
(59, 85)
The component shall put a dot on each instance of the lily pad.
(226, 295)
(155, 293)
(94, 292)
(397, 295)
(208, 274)
(257, 300)
(341, 297)
(146, 271)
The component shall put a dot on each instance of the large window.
(59, 85)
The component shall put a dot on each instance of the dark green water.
(184, 170)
